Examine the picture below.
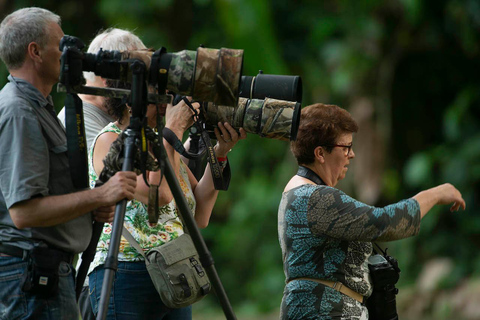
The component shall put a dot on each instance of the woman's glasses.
(349, 148)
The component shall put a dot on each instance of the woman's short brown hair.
(320, 125)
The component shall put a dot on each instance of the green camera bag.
(176, 271)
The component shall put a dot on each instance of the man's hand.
(121, 186)
(104, 214)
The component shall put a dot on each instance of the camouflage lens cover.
(277, 119)
(269, 118)
(239, 113)
(182, 72)
(217, 75)
(253, 116)
(215, 114)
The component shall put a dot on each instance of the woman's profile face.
(337, 161)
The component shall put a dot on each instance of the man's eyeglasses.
(349, 148)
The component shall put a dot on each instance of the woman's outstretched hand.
(447, 194)
(442, 194)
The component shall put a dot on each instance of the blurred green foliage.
(417, 61)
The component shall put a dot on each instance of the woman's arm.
(334, 214)
(178, 118)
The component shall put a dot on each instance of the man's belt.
(21, 253)
(337, 286)
(13, 251)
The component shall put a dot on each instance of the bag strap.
(127, 235)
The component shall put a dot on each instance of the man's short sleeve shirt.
(33, 162)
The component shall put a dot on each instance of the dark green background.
(408, 72)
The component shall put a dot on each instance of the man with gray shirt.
(44, 220)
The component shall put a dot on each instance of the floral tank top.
(169, 225)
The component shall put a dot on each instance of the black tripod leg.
(111, 262)
(205, 256)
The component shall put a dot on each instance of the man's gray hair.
(113, 39)
(19, 29)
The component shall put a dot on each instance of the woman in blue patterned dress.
(325, 235)
(133, 293)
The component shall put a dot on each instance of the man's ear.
(33, 51)
(319, 154)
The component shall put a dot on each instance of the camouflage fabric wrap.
(113, 161)
(233, 115)
(253, 116)
(279, 119)
(239, 113)
(144, 55)
(217, 75)
(181, 72)
(229, 72)
(270, 118)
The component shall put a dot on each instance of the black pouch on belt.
(41, 277)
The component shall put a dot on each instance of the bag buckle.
(339, 287)
(185, 286)
(197, 266)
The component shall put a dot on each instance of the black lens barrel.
(279, 87)
(104, 63)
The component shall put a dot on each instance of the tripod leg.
(111, 263)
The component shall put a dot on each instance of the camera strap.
(155, 139)
(173, 140)
(390, 260)
(196, 147)
(76, 141)
(221, 177)
(383, 253)
(309, 174)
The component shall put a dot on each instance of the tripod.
(132, 136)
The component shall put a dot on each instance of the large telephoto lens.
(206, 74)
(279, 87)
(269, 118)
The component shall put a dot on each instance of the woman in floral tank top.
(133, 294)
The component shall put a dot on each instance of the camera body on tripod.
(384, 273)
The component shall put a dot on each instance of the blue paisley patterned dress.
(325, 234)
